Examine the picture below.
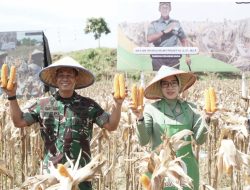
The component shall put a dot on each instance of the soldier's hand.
(120, 100)
(11, 92)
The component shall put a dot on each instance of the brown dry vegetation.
(21, 150)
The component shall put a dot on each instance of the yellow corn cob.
(116, 86)
(12, 78)
(140, 96)
(212, 97)
(207, 101)
(122, 85)
(145, 181)
(4, 75)
(134, 96)
(63, 171)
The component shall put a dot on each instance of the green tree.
(98, 26)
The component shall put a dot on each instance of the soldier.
(66, 118)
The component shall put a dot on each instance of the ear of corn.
(145, 181)
(210, 100)
(12, 78)
(207, 101)
(134, 96)
(122, 86)
(4, 75)
(140, 96)
(212, 97)
(63, 171)
(116, 86)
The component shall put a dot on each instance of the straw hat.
(48, 74)
(153, 90)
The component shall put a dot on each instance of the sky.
(63, 21)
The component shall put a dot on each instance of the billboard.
(196, 36)
(29, 52)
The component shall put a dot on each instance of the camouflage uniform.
(66, 126)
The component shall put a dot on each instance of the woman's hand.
(137, 111)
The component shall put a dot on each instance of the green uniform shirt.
(170, 117)
(167, 40)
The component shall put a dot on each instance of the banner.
(29, 52)
(196, 36)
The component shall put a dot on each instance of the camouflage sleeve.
(31, 112)
(101, 117)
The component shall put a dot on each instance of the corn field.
(21, 150)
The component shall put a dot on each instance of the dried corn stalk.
(66, 178)
(165, 167)
(230, 158)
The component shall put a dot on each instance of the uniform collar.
(58, 97)
(163, 20)
(162, 105)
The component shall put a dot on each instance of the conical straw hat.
(48, 74)
(153, 90)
